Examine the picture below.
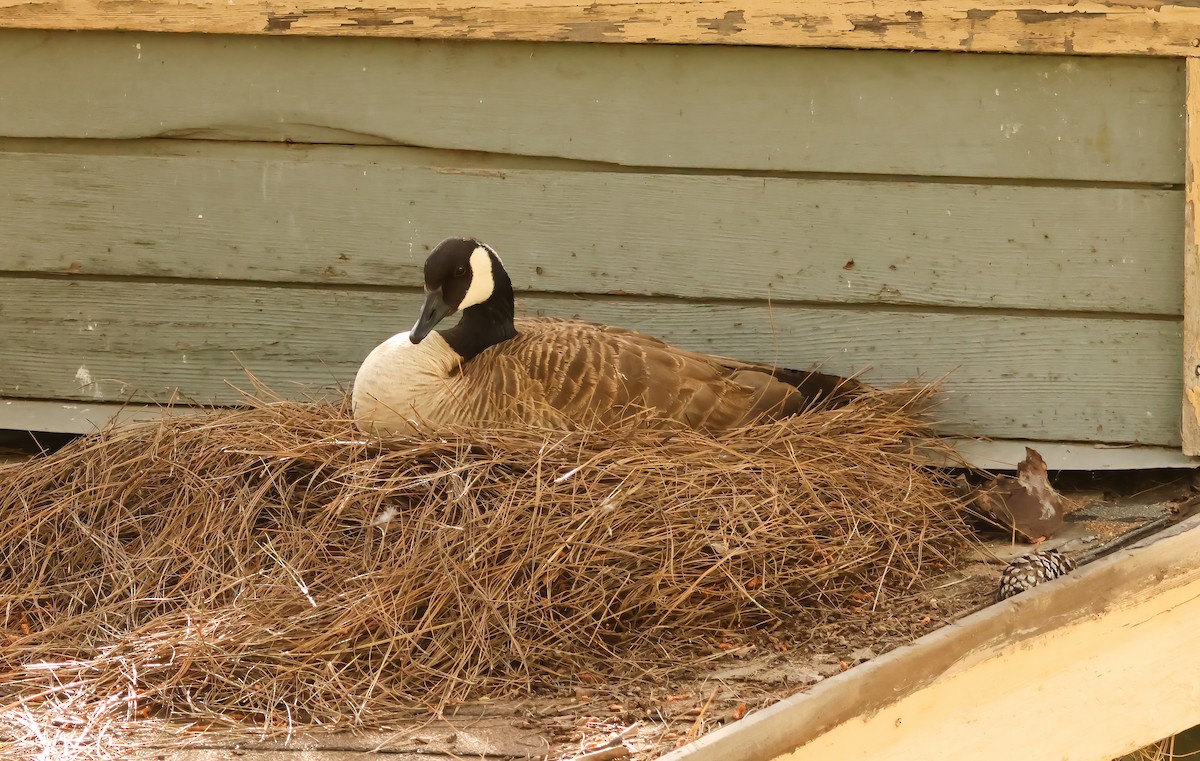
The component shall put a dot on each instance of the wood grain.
(1061, 378)
(1103, 27)
(335, 215)
(1021, 671)
(758, 109)
(1191, 269)
(1005, 454)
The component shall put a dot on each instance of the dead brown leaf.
(1027, 504)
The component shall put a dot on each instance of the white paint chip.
(85, 380)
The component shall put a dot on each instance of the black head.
(462, 273)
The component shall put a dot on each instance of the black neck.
(485, 324)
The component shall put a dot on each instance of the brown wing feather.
(562, 372)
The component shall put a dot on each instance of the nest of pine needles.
(268, 563)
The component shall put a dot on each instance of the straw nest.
(268, 564)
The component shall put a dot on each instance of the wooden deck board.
(338, 215)
(661, 106)
(1012, 376)
(1021, 671)
(1099, 27)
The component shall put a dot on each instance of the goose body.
(492, 369)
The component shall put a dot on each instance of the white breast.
(401, 387)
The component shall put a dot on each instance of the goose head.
(464, 274)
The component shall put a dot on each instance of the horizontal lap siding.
(1010, 376)
(665, 106)
(1012, 221)
(358, 215)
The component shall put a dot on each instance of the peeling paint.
(375, 22)
(869, 24)
(1038, 16)
(282, 22)
(1105, 27)
(979, 14)
(731, 23)
(593, 31)
(1008, 129)
(83, 377)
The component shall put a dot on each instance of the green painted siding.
(1010, 376)
(1012, 222)
(642, 105)
(370, 215)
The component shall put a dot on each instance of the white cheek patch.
(482, 283)
(492, 251)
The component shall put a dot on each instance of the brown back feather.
(564, 372)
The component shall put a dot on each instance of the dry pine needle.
(267, 563)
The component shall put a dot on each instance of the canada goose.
(492, 368)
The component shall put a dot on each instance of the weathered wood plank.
(1014, 26)
(1061, 378)
(650, 105)
(72, 416)
(370, 215)
(1005, 454)
(1191, 268)
(1027, 668)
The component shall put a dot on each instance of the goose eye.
(460, 271)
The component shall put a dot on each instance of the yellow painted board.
(1104, 27)
(1086, 668)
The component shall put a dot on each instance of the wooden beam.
(1107, 642)
(1103, 27)
(1191, 267)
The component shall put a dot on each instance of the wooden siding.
(1014, 26)
(340, 215)
(1014, 376)
(1117, 120)
(1014, 222)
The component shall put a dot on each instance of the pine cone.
(1027, 571)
